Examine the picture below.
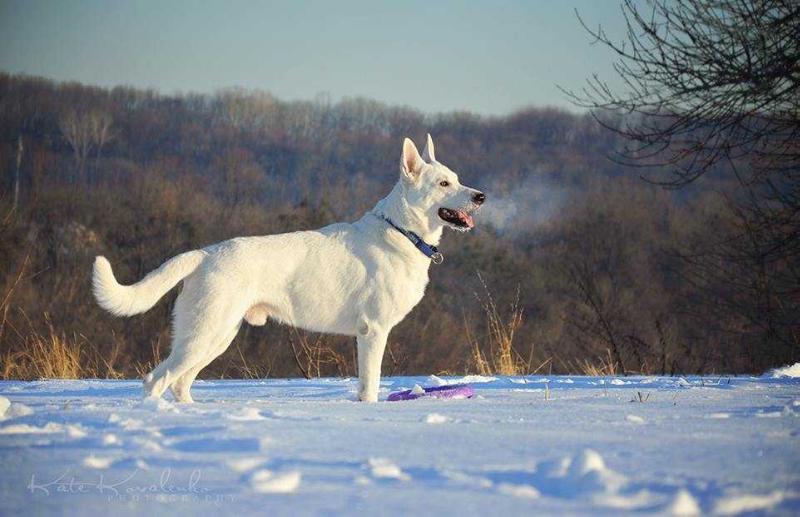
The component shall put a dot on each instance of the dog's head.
(433, 190)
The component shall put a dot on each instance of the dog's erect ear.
(429, 153)
(411, 163)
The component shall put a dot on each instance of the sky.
(488, 57)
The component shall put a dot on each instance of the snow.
(436, 418)
(684, 504)
(636, 419)
(49, 427)
(525, 445)
(748, 503)
(518, 490)
(792, 371)
(384, 468)
(266, 482)
(9, 410)
(95, 462)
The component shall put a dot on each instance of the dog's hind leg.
(180, 360)
(180, 388)
(192, 339)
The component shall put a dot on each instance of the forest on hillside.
(578, 264)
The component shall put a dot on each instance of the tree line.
(588, 268)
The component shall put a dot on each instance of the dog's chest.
(398, 290)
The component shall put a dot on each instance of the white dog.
(358, 279)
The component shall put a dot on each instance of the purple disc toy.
(450, 391)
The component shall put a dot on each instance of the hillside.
(584, 265)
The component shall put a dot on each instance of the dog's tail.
(127, 300)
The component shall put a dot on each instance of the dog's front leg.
(370, 355)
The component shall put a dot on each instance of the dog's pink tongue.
(466, 219)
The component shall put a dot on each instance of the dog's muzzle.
(457, 218)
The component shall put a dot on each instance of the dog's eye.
(444, 183)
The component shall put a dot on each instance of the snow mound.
(130, 424)
(157, 404)
(523, 491)
(10, 409)
(436, 418)
(110, 439)
(467, 379)
(635, 501)
(97, 462)
(48, 428)
(473, 379)
(245, 464)
(436, 381)
(733, 505)
(634, 419)
(588, 472)
(684, 504)
(76, 431)
(267, 482)
(17, 410)
(249, 414)
(130, 463)
(385, 468)
(791, 371)
(146, 445)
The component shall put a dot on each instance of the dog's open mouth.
(456, 218)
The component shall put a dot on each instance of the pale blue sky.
(490, 57)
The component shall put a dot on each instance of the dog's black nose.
(479, 198)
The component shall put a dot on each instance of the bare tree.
(709, 80)
(84, 131)
(77, 132)
(598, 321)
(714, 85)
(100, 127)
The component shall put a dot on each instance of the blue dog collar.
(430, 251)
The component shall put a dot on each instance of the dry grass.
(316, 357)
(143, 369)
(500, 356)
(42, 351)
(248, 370)
(54, 355)
(50, 356)
(604, 366)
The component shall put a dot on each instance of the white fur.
(357, 279)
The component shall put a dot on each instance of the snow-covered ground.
(525, 445)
